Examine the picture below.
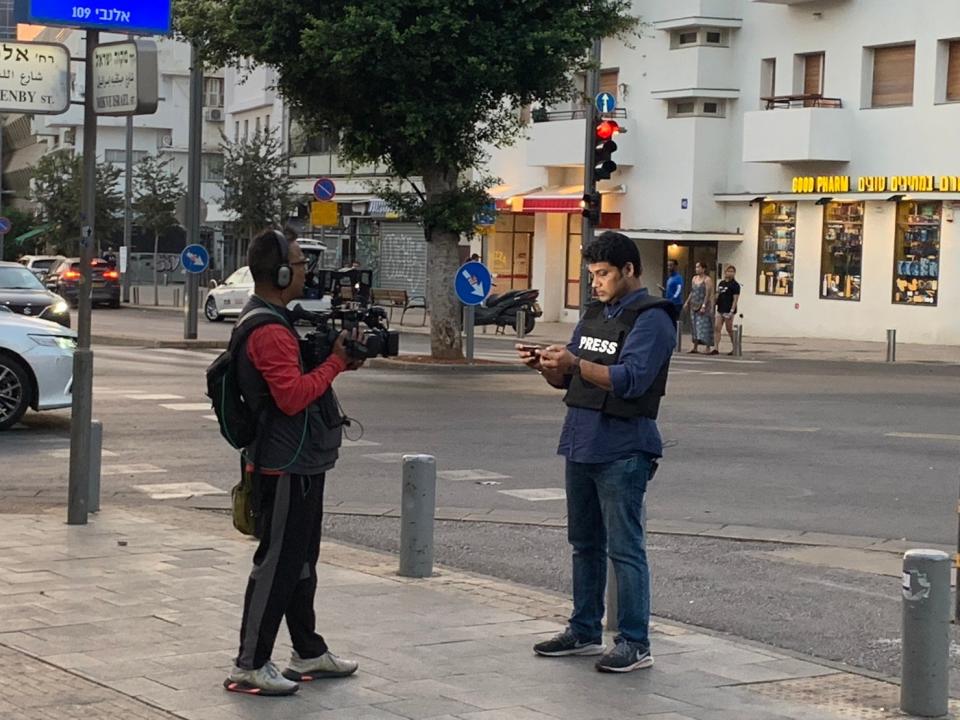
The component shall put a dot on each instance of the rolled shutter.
(893, 75)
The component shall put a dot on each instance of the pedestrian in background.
(700, 303)
(728, 299)
(674, 288)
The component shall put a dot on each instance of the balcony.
(556, 140)
(797, 134)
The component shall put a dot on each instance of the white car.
(36, 366)
(40, 265)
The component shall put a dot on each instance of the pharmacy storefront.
(849, 257)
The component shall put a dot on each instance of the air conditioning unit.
(214, 115)
(164, 140)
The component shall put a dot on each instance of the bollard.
(612, 603)
(417, 508)
(891, 346)
(136, 295)
(738, 340)
(176, 297)
(96, 451)
(680, 335)
(521, 323)
(924, 679)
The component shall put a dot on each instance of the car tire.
(16, 391)
(211, 312)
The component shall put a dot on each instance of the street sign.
(487, 215)
(324, 189)
(473, 282)
(324, 214)
(126, 78)
(195, 258)
(5, 225)
(606, 103)
(34, 78)
(124, 256)
(140, 17)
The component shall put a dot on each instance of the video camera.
(349, 291)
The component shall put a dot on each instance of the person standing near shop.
(615, 372)
(700, 303)
(674, 288)
(728, 299)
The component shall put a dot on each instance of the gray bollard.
(891, 346)
(417, 508)
(176, 297)
(738, 340)
(926, 633)
(96, 451)
(521, 323)
(136, 295)
(680, 335)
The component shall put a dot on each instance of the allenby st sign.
(34, 78)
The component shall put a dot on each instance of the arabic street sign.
(34, 78)
(125, 78)
(144, 17)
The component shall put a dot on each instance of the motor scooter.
(501, 310)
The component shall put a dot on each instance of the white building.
(811, 143)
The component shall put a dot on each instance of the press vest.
(601, 342)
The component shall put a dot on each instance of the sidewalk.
(135, 616)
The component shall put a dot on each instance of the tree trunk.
(156, 252)
(443, 259)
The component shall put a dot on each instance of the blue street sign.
(143, 17)
(324, 189)
(606, 103)
(473, 283)
(487, 215)
(5, 225)
(195, 258)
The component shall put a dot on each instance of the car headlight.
(59, 308)
(61, 341)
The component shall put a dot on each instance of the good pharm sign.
(875, 183)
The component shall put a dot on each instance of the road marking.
(186, 406)
(136, 469)
(194, 354)
(768, 428)
(923, 436)
(114, 391)
(171, 491)
(539, 418)
(470, 475)
(536, 494)
(211, 417)
(153, 396)
(358, 443)
(65, 453)
(694, 361)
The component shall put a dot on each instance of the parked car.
(22, 293)
(40, 265)
(227, 300)
(36, 366)
(64, 279)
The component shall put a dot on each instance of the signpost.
(141, 17)
(472, 284)
(324, 189)
(126, 78)
(34, 78)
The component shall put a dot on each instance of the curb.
(130, 341)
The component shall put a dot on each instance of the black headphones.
(283, 274)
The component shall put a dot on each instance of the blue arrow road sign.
(324, 189)
(473, 283)
(195, 258)
(5, 225)
(606, 103)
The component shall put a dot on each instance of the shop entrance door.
(688, 254)
(510, 250)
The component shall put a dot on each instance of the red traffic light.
(606, 129)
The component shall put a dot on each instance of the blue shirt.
(674, 289)
(589, 436)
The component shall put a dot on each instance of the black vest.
(601, 341)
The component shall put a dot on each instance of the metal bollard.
(924, 680)
(96, 451)
(521, 323)
(680, 335)
(738, 340)
(891, 346)
(417, 508)
(176, 297)
(136, 295)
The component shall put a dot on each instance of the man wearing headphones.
(298, 439)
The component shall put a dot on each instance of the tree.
(21, 222)
(422, 86)
(155, 196)
(255, 185)
(58, 188)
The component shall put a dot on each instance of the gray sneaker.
(566, 643)
(624, 657)
(266, 680)
(327, 665)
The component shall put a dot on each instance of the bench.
(399, 300)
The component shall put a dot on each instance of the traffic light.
(590, 204)
(604, 148)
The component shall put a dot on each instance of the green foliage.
(21, 222)
(156, 191)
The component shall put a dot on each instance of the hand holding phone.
(530, 350)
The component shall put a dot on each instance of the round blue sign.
(5, 225)
(324, 189)
(473, 283)
(195, 258)
(606, 102)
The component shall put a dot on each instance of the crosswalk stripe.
(186, 406)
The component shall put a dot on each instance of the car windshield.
(18, 278)
(43, 264)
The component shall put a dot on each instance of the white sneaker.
(266, 680)
(327, 665)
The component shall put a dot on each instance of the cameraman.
(298, 438)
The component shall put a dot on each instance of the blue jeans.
(606, 514)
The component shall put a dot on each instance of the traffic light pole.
(193, 187)
(591, 90)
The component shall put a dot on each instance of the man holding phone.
(614, 371)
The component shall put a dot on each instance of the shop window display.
(777, 248)
(842, 253)
(916, 257)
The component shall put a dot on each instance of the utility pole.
(591, 90)
(127, 199)
(194, 146)
(79, 485)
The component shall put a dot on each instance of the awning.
(562, 198)
(678, 236)
(814, 197)
(32, 234)
(509, 197)
(378, 207)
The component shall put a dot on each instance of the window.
(246, 129)
(696, 108)
(714, 37)
(916, 256)
(711, 108)
(893, 69)
(574, 260)
(266, 123)
(236, 131)
(698, 36)
(776, 248)
(213, 92)
(768, 79)
(842, 251)
(684, 107)
(687, 38)
(211, 168)
(953, 71)
(511, 245)
(119, 157)
(812, 76)
(610, 81)
(256, 125)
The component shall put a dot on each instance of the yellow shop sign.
(875, 183)
(822, 184)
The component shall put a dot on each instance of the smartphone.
(531, 350)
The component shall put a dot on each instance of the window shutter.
(953, 71)
(893, 75)
(813, 74)
(609, 80)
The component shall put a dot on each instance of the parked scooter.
(501, 310)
